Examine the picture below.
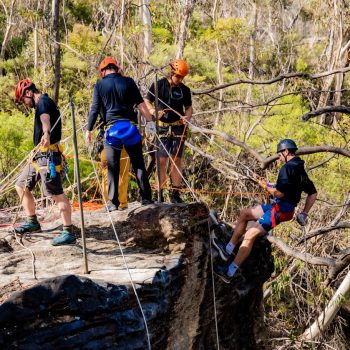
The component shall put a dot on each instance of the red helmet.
(21, 87)
(179, 67)
(106, 62)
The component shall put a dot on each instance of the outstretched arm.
(309, 202)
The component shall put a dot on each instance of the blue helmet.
(286, 144)
(122, 133)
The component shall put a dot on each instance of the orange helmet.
(106, 62)
(179, 67)
(21, 87)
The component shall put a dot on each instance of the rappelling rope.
(185, 181)
(213, 285)
(118, 241)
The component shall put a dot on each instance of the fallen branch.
(264, 162)
(325, 229)
(328, 109)
(306, 257)
(273, 80)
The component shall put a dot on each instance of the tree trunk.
(9, 25)
(187, 14)
(220, 81)
(57, 48)
(252, 53)
(121, 29)
(147, 29)
(326, 317)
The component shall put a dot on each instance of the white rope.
(214, 294)
(307, 282)
(118, 241)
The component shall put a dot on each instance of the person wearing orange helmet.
(116, 95)
(46, 165)
(174, 109)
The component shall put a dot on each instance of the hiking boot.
(146, 202)
(222, 271)
(65, 237)
(111, 207)
(175, 197)
(221, 248)
(28, 227)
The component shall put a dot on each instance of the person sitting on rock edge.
(292, 181)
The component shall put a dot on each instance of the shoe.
(221, 248)
(175, 197)
(27, 227)
(111, 207)
(221, 271)
(146, 202)
(65, 237)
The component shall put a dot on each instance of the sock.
(232, 269)
(229, 248)
(33, 219)
(68, 228)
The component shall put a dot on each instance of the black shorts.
(172, 141)
(29, 177)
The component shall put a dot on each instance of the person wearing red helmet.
(47, 163)
(117, 95)
(291, 182)
(172, 129)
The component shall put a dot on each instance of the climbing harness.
(276, 211)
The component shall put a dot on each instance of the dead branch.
(328, 109)
(264, 162)
(273, 80)
(335, 266)
(306, 257)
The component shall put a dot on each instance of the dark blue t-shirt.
(116, 96)
(293, 180)
(46, 105)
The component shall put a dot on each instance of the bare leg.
(162, 170)
(27, 200)
(176, 175)
(245, 216)
(65, 208)
(249, 238)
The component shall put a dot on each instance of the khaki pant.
(123, 178)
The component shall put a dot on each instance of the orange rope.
(215, 192)
(90, 206)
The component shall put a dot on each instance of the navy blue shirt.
(293, 180)
(46, 105)
(177, 97)
(116, 96)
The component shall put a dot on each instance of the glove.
(150, 129)
(302, 218)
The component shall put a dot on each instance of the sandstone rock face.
(166, 248)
